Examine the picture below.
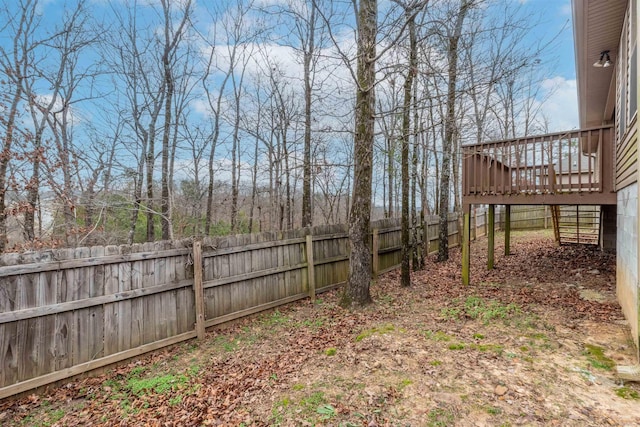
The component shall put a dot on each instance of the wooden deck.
(569, 168)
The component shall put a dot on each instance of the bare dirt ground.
(533, 342)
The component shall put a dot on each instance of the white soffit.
(597, 26)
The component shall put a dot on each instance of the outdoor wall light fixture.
(604, 61)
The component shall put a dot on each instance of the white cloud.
(561, 108)
(565, 9)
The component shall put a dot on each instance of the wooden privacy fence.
(68, 311)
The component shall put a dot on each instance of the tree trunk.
(169, 86)
(307, 214)
(450, 133)
(356, 291)
(150, 205)
(418, 248)
(405, 267)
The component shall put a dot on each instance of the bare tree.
(452, 39)
(410, 13)
(15, 62)
(173, 34)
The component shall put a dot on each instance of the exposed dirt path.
(533, 342)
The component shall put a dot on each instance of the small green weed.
(440, 418)
(226, 344)
(137, 371)
(496, 348)
(298, 387)
(175, 400)
(314, 400)
(437, 336)
(456, 346)
(326, 412)
(627, 393)
(112, 385)
(478, 336)
(313, 408)
(476, 308)
(276, 318)
(494, 411)
(597, 359)
(538, 336)
(385, 329)
(54, 417)
(27, 421)
(159, 385)
(435, 363)
(404, 384)
(330, 351)
(279, 410)
(312, 323)
(386, 298)
(451, 313)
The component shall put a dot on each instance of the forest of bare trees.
(132, 121)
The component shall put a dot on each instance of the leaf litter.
(516, 347)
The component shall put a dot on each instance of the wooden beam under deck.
(542, 199)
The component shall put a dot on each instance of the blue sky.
(562, 106)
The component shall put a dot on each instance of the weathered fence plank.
(198, 289)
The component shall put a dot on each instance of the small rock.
(594, 271)
(500, 390)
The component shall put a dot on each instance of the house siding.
(627, 256)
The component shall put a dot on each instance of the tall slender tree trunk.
(172, 37)
(418, 248)
(150, 202)
(254, 182)
(450, 132)
(390, 173)
(405, 266)
(356, 291)
(234, 170)
(307, 214)
(164, 199)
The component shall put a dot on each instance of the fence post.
(486, 225)
(507, 230)
(311, 268)
(466, 246)
(546, 217)
(374, 251)
(198, 288)
(425, 237)
(491, 231)
(475, 223)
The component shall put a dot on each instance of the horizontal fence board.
(62, 307)
(12, 270)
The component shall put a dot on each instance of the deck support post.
(466, 244)
(491, 236)
(507, 230)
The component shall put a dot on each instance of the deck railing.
(577, 161)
